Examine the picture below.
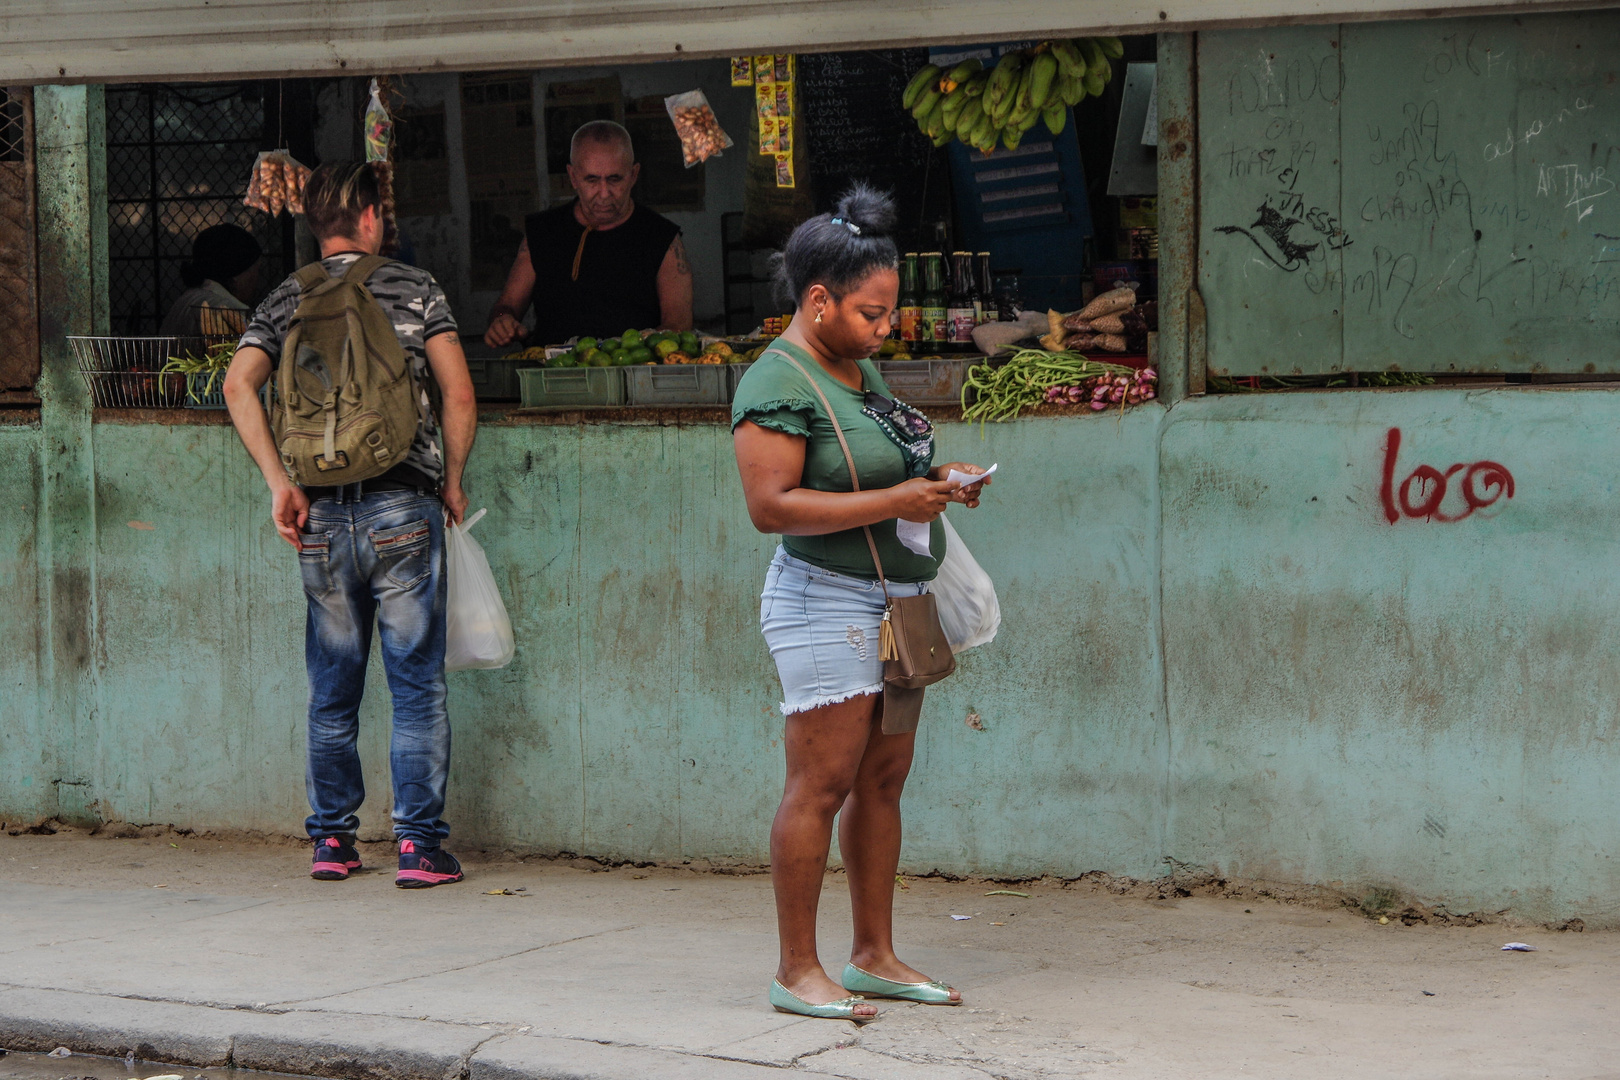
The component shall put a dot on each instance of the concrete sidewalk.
(204, 953)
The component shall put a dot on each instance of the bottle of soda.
(959, 302)
(986, 290)
(934, 333)
(910, 301)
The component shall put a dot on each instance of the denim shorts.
(822, 629)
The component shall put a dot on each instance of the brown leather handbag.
(912, 642)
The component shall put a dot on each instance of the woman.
(222, 280)
(823, 605)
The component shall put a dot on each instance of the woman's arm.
(772, 467)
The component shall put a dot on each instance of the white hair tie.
(850, 225)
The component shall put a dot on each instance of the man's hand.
(455, 502)
(503, 330)
(289, 509)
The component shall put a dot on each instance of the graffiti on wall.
(1427, 494)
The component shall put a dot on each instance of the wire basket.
(127, 373)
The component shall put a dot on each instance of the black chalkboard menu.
(854, 128)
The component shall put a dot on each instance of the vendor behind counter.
(221, 279)
(601, 264)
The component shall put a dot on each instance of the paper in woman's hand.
(915, 535)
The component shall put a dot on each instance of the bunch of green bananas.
(980, 108)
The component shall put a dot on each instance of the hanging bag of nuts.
(702, 137)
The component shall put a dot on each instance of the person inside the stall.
(601, 264)
(221, 280)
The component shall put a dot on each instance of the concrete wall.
(1216, 650)
(27, 745)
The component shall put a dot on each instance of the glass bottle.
(959, 302)
(986, 290)
(910, 302)
(934, 333)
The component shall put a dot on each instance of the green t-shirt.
(775, 395)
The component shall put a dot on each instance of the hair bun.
(871, 210)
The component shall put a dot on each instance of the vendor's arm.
(772, 468)
(506, 317)
(674, 288)
(460, 415)
(250, 368)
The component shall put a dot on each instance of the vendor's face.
(602, 175)
(245, 286)
(857, 325)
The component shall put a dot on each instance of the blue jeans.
(377, 558)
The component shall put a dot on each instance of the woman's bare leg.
(869, 836)
(824, 751)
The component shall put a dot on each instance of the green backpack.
(348, 405)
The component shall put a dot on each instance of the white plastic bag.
(477, 632)
(965, 596)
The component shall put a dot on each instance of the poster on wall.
(568, 105)
(421, 163)
(503, 184)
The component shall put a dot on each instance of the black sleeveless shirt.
(617, 288)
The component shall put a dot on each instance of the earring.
(818, 316)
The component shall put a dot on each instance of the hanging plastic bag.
(477, 632)
(379, 126)
(965, 596)
(702, 137)
(276, 183)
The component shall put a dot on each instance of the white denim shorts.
(822, 629)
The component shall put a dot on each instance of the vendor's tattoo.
(680, 257)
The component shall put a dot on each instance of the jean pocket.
(827, 583)
(773, 580)
(314, 563)
(402, 551)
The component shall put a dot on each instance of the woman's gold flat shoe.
(787, 1001)
(861, 981)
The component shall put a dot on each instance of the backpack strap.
(427, 396)
(310, 276)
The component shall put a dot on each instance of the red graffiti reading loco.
(1483, 483)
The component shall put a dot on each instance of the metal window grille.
(178, 159)
(13, 126)
(19, 298)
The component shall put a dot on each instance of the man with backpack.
(360, 487)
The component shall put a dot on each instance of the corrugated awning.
(130, 40)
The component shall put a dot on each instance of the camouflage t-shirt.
(417, 308)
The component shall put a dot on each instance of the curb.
(340, 1046)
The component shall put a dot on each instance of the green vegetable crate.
(734, 374)
(585, 386)
(495, 378)
(676, 384)
(927, 382)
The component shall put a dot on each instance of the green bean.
(1001, 392)
(212, 364)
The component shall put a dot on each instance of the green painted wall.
(27, 745)
(1425, 705)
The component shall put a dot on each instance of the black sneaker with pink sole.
(423, 868)
(335, 857)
